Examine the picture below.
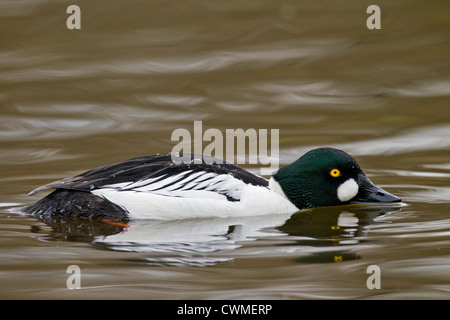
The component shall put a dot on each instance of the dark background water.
(71, 100)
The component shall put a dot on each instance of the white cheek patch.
(347, 190)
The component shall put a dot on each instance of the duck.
(157, 187)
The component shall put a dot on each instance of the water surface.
(71, 100)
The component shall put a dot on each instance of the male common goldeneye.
(154, 187)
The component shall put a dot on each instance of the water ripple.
(417, 139)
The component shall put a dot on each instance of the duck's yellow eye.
(335, 173)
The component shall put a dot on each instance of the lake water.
(72, 100)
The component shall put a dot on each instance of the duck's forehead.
(329, 158)
(349, 164)
(342, 163)
(342, 160)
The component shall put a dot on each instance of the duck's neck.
(275, 186)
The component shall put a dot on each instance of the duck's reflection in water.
(319, 235)
(330, 234)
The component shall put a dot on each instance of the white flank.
(168, 204)
(347, 190)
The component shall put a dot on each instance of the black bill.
(368, 192)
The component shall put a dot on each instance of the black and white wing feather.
(159, 174)
(156, 187)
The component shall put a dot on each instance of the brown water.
(71, 100)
